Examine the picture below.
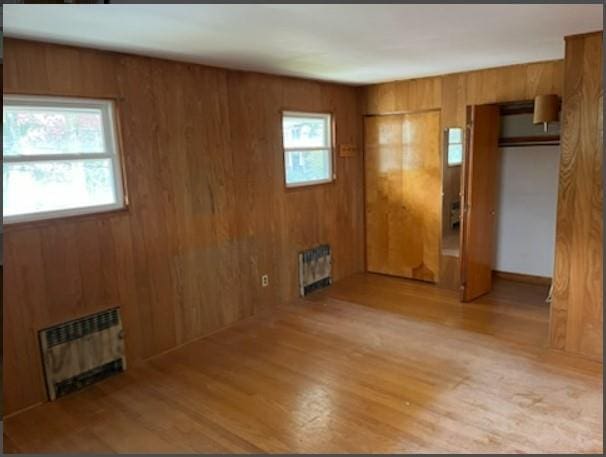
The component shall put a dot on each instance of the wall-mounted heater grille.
(314, 269)
(83, 351)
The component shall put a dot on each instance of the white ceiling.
(346, 43)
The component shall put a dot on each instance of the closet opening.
(502, 225)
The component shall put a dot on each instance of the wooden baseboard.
(520, 277)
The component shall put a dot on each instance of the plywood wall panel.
(381, 98)
(493, 85)
(208, 212)
(24, 304)
(577, 309)
(453, 100)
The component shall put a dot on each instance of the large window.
(60, 158)
(307, 148)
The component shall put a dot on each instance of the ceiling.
(354, 44)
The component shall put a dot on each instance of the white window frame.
(111, 152)
(327, 118)
(448, 143)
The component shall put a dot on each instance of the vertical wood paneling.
(208, 210)
(577, 308)
(403, 194)
(381, 98)
(493, 85)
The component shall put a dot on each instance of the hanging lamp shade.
(546, 109)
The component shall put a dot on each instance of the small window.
(59, 158)
(455, 146)
(307, 148)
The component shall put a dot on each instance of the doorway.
(508, 198)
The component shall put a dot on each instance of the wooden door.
(479, 200)
(403, 194)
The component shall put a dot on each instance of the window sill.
(309, 186)
(25, 225)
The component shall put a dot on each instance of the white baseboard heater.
(314, 269)
(83, 351)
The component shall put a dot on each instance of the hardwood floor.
(512, 311)
(373, 364)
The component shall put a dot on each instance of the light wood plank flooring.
(373, 364)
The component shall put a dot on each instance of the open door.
(478, 200)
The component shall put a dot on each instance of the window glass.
(306, 166)
(304, 132)
(455, 136)
(455, 154)
(56, 185)
(36, 131)
(59, 158)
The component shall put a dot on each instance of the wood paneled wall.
(208, 211)
(577, 308)
(452, 93)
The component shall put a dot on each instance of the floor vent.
(83, 351)
(314, 269)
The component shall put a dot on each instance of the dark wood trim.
(414, 111)
(583, 35)
(51, 93)
(518, 140)
(121, 152)
(508, 111)
(520, 277)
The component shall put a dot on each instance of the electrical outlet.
(264, 280)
